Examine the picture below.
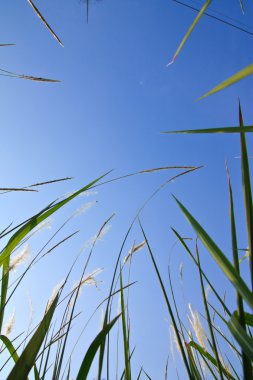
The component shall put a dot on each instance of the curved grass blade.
(200, 14)
(203, 273)
(240, 335)
(193, 364)
(248, 128)
(247, 193)
(125, 335)
(92, 350)
(231, 80)
(191, 377)
(219, 257)
(19, 235)
(246, 364)
(28, 357)
(210, 358)
(214, 346)
(45, 22)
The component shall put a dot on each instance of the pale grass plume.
(181, 267)
(207, 291)
(198, 329)
(44, 225)
(20, 258)
(54, 294)
(10, 324)
(31, 310)
(96, 238)
(88, 280)
(172, 344)
(173, 336)
(85, 207)
(134, 249)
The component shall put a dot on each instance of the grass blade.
(246, 185)
(246, 129)
(231, 80)
(169, 307)
(45, 22)
(219, 257)
(210, 358)
(240, 335)
(125, 334)
(215, 350)
(28, 357)
(200, 14)
(92, 350)
(246, 364)
(19, 235)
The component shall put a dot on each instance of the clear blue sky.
(115, 98)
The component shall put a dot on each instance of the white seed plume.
(45, 225)
(10, 323)
(88, 193)
(54, 294)
(20, 258)
(207, 291)
(134, 249)
(96, 238)
(174, 337)
(181, 271)
(88, 280)
(81, 210)
(197, 327)
(172, 344)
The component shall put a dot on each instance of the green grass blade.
(169, 307)
(214, 346)
(8, 344)
(203, 273)
(193, 25)
(125, 334)
(19, 235)
(240, 335)
(219, 257)
(210, 358)
(246, 364)
(193, 364)
(92, 350)
(248, 319)
(246, 185)
(246, 129)
(28, 357)
(231, 80)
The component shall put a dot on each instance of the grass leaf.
(189, 31)
(219, 257)
(231, 80)
(92, 350)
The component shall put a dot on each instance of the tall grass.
(42, 352)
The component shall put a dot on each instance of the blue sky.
(115, 98)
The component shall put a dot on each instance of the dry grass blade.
(3, 45)
(52, 181)
(45, 22)
(38, 79)
(7, 189)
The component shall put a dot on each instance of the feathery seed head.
(20, 258)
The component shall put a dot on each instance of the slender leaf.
(241, 336)
(231, 80)
(246, 129)
(92, 350)
(219, 257)
(28, 357)
(193, 25)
